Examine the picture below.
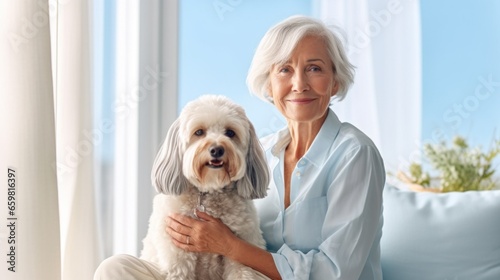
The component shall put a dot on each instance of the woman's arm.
(212, 236)
(334, 232)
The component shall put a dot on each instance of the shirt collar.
(321, 144)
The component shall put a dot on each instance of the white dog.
(212, 161)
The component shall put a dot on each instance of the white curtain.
(43, 103)
(145, 106)
(49, 138)
(29, 231)
(127, 96)
(76, 139)
(384, 43)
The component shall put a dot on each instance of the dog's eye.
(230, 133)
(199, 132)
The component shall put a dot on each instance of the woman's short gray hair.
(278, 44)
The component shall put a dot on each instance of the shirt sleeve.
(351, 230)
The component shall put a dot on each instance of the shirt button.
(297, 174)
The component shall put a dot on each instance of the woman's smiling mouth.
(301, 101)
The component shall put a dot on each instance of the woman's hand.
(208, 234)
(211, 235)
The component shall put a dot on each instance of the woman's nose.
(300, 82)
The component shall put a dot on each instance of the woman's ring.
(187, 240)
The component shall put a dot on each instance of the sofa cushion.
(442, 236)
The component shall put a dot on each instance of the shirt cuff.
(282, 264)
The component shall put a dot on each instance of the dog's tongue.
(216, 163)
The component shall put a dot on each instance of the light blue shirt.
(333, 226)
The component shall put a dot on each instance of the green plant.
(459, 167)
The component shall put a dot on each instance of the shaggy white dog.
(212, 161)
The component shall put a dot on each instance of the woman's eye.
(230, 133)
(199, 132)
(314, 69)
(284, 70)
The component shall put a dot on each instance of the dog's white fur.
(185, 171)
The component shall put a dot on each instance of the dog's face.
(210, 145)
(215, 140)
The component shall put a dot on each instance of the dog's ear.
(166, 175)
(255, 182)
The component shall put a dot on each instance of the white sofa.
(447, 236)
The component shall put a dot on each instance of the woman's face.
(301, 88)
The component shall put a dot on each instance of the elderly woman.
(322, 218)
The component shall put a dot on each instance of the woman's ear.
(335, 88)
(269, 92)
(166, 174)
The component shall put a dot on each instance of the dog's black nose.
(216, 151)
